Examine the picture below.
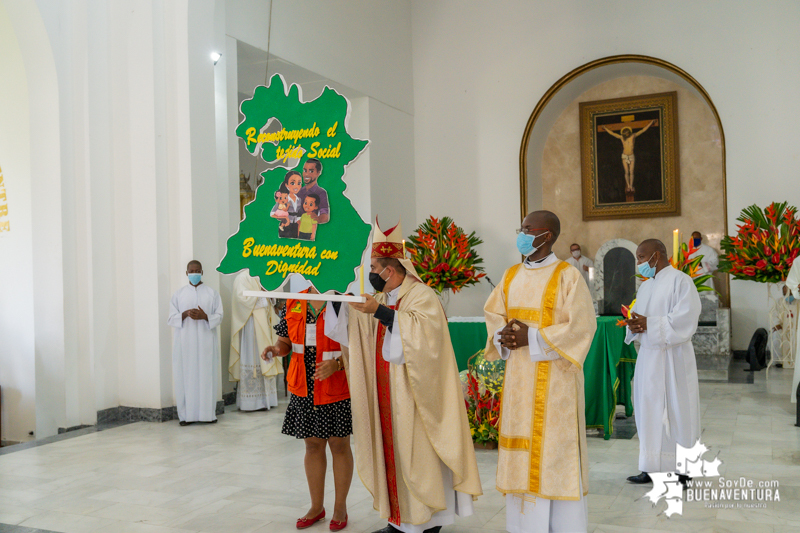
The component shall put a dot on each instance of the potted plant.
(484, 380)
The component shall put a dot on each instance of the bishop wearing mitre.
(541, 320)
(252, 331)
(414, 451)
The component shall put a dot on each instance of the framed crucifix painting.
(629, 157)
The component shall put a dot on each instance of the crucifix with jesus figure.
(628, 137)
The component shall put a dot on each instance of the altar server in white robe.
(666, 394)
(252, 323)
(792, 294)
(195, 312)
(709, 262)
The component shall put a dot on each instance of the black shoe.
(683, 480)
(433, 530)
(641, 479)
(185, 423)
(388, 529)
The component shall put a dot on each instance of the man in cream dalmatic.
(541, 320)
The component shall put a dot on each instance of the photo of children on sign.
(299, 216)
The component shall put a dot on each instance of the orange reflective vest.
(333, 389)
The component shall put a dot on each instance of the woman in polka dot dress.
(319, 408)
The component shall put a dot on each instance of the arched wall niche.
(550, 125)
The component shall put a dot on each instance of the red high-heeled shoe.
(335, 525)
(303, 523)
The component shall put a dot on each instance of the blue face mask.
(525, 243)
(645, 269)
(697, 241)
(194, 279)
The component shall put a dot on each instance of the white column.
(46, 235)
(210, 196)
(17, 347)
(226, 87)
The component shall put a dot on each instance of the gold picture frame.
(629, 157)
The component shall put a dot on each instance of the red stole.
(385, 409)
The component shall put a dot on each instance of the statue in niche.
(246, 193)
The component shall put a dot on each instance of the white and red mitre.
(389, 244)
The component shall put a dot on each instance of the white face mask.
(576, 254)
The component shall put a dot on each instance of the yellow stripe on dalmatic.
(514, 443)
(510, 275)
(537, 424)
(550, 295)
(542, 381)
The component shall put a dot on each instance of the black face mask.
(377, 281)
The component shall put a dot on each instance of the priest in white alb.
(541, 320)
(252, 323)
(709, 262)
(195, 312)
(414, 450)
(581, 262)
(792, 293)
(666, 393)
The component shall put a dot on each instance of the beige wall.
(702, 207)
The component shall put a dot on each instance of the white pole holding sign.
(306, 296)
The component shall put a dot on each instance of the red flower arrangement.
(445, 256)
(691, 266)
(765, 245)
(484, 387)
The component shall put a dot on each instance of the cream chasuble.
(542, 451)
(252, 329)
(428, 420)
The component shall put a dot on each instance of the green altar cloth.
(607, 372)
(468, 338)
(608, 369)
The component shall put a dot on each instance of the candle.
(404, 248)
(361, 278)
(675, 245)
(591, 273)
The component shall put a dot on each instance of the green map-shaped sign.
(300, 221)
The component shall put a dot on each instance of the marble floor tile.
(141, 514)
(11, 513)
(607, 528)
(600, 501)
(68, 522)
(138, 527)
(216, 522)
(140, 497)
(243, 475)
